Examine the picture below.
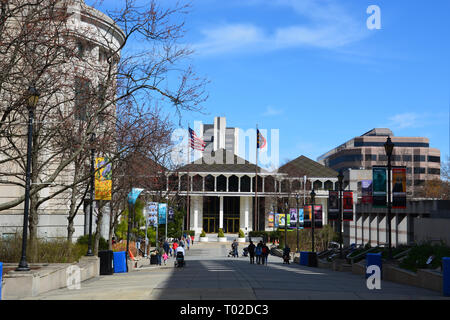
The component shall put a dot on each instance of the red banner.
(348, 206)
(399, 188)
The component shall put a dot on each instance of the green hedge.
(418, 256)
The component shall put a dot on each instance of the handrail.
(361, 254)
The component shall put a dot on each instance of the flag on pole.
(261, 141)
(195, 142)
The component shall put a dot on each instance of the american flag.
(196, 142)
(261, 141)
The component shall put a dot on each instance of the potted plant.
(221, 236)
(241, 236)
(203, 237)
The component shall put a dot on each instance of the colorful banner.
(171, 217)
(366, 191)
(133, 195)
(281, 218)
(379, 187)
(347, 206)
(103, 179)
(162, 210)
(271, 220)
(293, 218)
(307, 217)
(277, 220)
(318, 223)
(399, 188)
(301, 218)
(152, 213)
(333, 205)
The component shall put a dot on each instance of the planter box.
(203, 239)
(222, 239)
(240, 240)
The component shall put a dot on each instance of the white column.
(221, 213)
(246, 212)
(196, 210)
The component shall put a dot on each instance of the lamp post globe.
(33, 98)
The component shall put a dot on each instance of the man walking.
(234, 246)
(251, 252)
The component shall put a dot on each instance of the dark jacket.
(251, 249)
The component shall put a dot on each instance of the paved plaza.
(211, 275)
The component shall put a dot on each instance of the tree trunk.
(97, 234)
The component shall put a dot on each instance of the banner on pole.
(318, 223)
(293, 218)
(366, 191)
(348, 206)
(301, 218)
(162, 211)
(399, 188)
(152, 211)
(270, 222)
(379, 187)
(133, 195)
(307, 217)
(333, 205)
(171, 217)
(103, 179)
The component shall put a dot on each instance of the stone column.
(196, 210)
(221, 213)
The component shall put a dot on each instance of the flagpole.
(188, 185)
(256, 182)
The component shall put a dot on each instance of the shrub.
(203, 234)
(102, 243)
(241, 234)
(221, 234)
(418, 256)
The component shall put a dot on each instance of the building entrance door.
(209, 225)
(231, 225)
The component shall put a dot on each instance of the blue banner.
(133, 195)
(301, 218)
(162, 210)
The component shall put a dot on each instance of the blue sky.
(313, 70)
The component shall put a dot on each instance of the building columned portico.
(223, 195)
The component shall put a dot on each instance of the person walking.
(165, 257)
(251, 252)
(265, 253)
(258, 252)
(286, 254)
(166, 246)
(159, 253)
(192, 240)
(234, 247)
(188, 241)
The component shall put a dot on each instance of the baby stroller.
(245, 252)
(179, 260)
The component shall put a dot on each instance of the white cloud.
(324, 24)
(417, 120)
(404, 120)
(271, 111)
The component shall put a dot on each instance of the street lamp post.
(389, 147)
(341, 214)
(33, 98)
(298, 218)
(286, 206)
(91, 204)
(313, 195)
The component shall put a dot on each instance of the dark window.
(82, 90)
(407, 157)
(371, 157)
(408, 170)
(434, 159)
(221, 183)
(396, 158)
(245, 184)
(233, 182)
(345, 158)
(419, 158)
(81, 49)
(434, 171)
(397, 144)
(382, 157)
(419, 170)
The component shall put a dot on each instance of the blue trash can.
(446, 276)
(373, 259)
(120, 262)
(304, 255)
(1, 278)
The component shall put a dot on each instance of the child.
(165, 257)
